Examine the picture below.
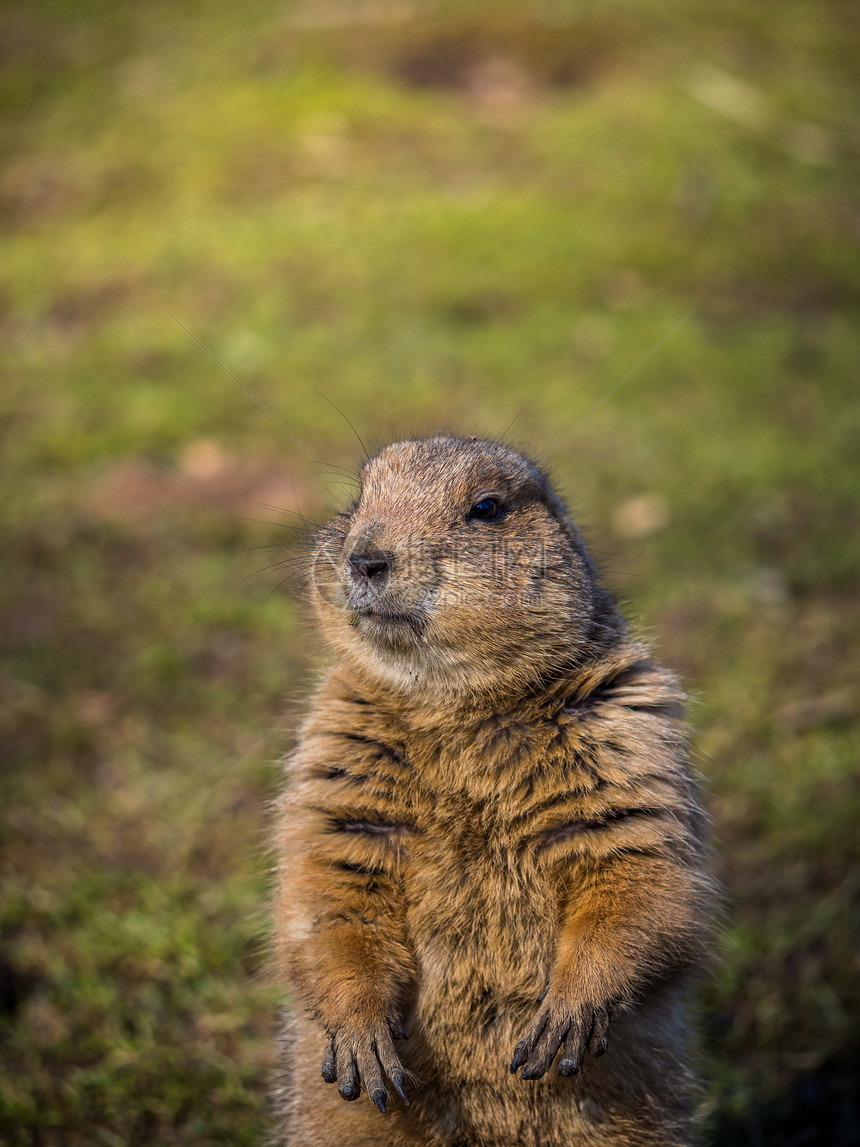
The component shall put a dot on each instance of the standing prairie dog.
(492, 892)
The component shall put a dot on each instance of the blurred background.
(409, 216)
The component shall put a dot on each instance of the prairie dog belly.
(482, 926)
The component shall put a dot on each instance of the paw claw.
(519, 1056)
(398, 1080)
(379, 1098)
(329, 1070)
(531, 1073)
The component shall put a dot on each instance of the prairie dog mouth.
(382, 623)
(386, 616)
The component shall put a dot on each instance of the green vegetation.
(431, 215)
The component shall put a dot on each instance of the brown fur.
(490, 800)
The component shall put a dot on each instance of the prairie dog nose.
(370, 566)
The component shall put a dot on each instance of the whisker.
(516, 418)
(272, 566)
(346, 420)
(290, 513)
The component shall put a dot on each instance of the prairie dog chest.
(487, 787)
(476, 861)
(467, 810)
(482, 907)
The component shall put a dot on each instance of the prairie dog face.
(457, 572)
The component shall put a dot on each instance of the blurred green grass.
(466, 216)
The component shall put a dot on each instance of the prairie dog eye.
(486, 510)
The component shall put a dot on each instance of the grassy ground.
(429, 216)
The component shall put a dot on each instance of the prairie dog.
(492, 893)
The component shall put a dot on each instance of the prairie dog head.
(456, 573)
